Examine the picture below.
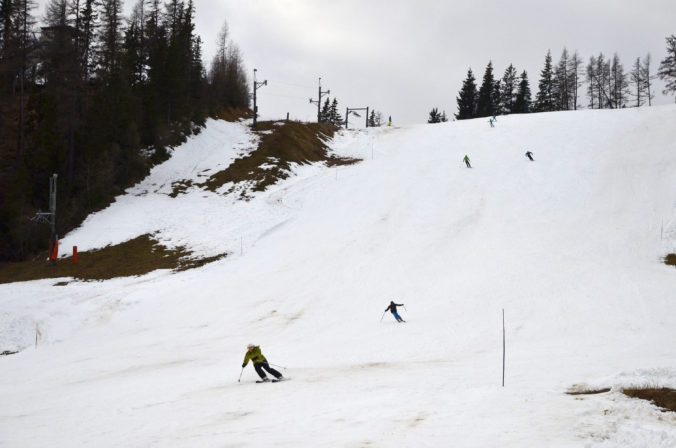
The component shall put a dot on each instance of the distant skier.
(466, 160)
(389, 123)
(393, 309)
(529, 155)
(491, 122)
(253, 353)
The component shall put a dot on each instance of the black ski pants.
(264, 365)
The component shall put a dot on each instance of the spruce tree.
(561, 89)
(508, 90)
(467, 97)
(544, 100)
(435, 116)
(485, 105)
(522, 102)
(325, 114)
(110, 38)
(496, 103)
(335, 118)
(667, 69)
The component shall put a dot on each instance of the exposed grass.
(588, 391)
(231, 114)
(281, 144)
(670, 259)
(179, 187)
(663, 397)
(135, 257)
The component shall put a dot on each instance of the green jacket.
(255, 356)
(466, 159)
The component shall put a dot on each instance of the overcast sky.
(404, 57)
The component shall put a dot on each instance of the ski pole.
(381, 317)
(405, 308)
(281, 367)
(240, 375)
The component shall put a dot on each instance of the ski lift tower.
(50, 217)
(256, 86)
(318, 102)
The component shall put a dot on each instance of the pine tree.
(135, 50)
(667, 69)
(485, 106)
(591, 77)
(496, 103)
(618, 83)
(467, 98)
(87, 24)
(637, 83)
(335, 118)
(647, 78)
(522, 102)
(544, 100)
(561, 89)
(602, 81)
(435, 116)
(372, 119)
(325, 114)
(508, 90)
(574, 82)
(110, 38)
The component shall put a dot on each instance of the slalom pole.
(240, 375)
(381, 317)
(503, 347)
(281, 367)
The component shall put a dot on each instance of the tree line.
(609, 86)
(98, 99)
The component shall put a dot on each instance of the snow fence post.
(503, 347)
(37, 334)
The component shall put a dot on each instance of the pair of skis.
(272, 381)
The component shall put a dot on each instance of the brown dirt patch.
(281, 145)
(663, 397)
(135, 257)
(670, 260)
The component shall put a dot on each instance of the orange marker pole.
(74, 254)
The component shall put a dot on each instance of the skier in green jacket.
(253, 353)
(466, 160)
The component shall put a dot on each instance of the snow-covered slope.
(569, 245)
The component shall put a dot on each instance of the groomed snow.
(570, 246)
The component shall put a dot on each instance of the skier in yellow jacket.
(253, 354)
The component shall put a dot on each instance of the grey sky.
(405, 57)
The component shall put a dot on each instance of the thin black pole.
(503, 347)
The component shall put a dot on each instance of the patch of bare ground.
(134, 257)
(662, 397)
(281, 145)
(670, 259)
(584, 391)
